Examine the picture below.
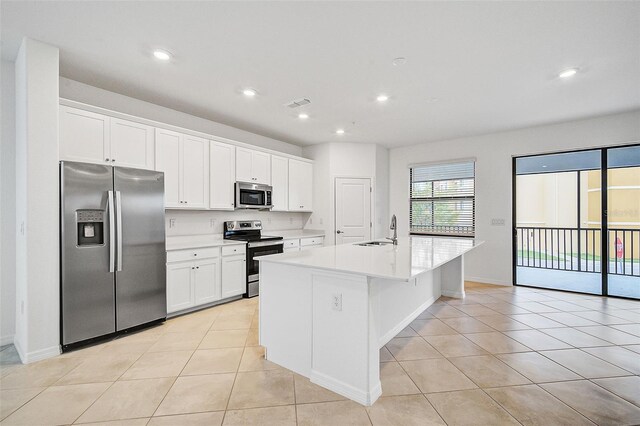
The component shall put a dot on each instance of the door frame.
(371, 204)
(604, 240)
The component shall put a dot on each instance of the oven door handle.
(265, 244)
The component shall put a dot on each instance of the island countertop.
(411, 257)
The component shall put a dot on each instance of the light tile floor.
(501, 356)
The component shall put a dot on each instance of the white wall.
(491, 262)
(344, 159)
(37, 241)
(80, 92)
(7, 203)
(200, 222)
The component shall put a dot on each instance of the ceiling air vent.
(298, 103)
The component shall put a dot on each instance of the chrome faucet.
(394, 227)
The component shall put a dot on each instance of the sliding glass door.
(561, 229)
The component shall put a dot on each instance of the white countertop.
(198, 241)
(214, 240)
(410, 258)
(296, 233)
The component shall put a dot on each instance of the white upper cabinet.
(300, 185)
(222, 176)
(185, 162)
(195, 172)
(280, 183)
(253, 166)
(131, 144)
(84, 136)
(96, 138)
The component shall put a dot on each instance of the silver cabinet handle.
(106, 159)
(119, 229)
(339, 232)
(112, 232)
(113, 160)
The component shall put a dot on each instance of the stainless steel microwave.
(253, 196)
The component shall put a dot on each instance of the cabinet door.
(131, 144)
(300, 185)
(84, 136)
(195, 172)
(167, 155)
(261, 167)
(207, 282)
(222, 176)
(180, 286)
(280, 183)
(234, 276)
(243, 165)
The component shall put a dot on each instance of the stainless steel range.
(257, 245)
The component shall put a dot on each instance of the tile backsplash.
(183, 222)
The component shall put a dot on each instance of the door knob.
(339, 232)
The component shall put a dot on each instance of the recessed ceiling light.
(249, 92)
(399, 61)
(162, 55)
(340, 132)
(568, 73)
(303, 116)
(382, 98)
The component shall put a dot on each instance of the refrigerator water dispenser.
(90, 227)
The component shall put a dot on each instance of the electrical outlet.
(497, 222)
(336, 302)
(290, 220)
(320, 221)
(269, 220)
(172, 223)
(212, 223)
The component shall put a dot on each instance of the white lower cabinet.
(298, 244)
(234, 275)
(207, 282)
(201, 276)
(179, 286)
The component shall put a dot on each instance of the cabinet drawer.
(291, 243)
(314, 241)
(232, 250)
(193, 254)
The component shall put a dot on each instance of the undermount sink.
(374, 243)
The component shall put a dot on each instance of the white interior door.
(353, 210)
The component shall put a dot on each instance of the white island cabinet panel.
(84, 136)
(167, 154)
(131, 144)
(300, 185)
(326, 313)
(222, 176)
(195, 172)
(280, 183)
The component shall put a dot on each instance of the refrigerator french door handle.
(119, 230)
(112, 232)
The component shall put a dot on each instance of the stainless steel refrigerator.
(113, 273)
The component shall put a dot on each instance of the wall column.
(37, 206)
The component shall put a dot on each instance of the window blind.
(442, 199)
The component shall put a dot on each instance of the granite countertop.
(411, 257)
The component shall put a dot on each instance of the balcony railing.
(573, 249)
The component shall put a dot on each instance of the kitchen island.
(325, 313)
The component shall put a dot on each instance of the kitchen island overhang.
(325, 313)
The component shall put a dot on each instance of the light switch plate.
(336, 302)
(497, 222)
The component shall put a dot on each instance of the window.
(442, 199)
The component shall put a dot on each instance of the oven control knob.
(231, 226)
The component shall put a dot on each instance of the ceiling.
(471, 67)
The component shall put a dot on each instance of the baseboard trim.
(6, 340)
(348, 391)
(484, 280)
(383, 340)
(39, 355)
